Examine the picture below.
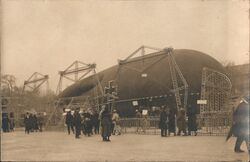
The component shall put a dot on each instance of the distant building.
(239, 75)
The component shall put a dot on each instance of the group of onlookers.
(8, 122)
(89, 123)
(168, 118)
(33, 122)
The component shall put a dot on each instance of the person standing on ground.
(145, 122)
(27, 123)
(5, 122)
(240, 128)
(77, 123)
(12, 121)
(69, 121)
(87, 124)
(116, 122)
(171, 123)
(36, 128)
(164, 122)
(32, 122)
(40, 121)
(106, 124)
(96, 122)
(181, 122)
(192, 125)
(138, 116)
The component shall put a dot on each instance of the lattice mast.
(35, 81)
(78, 69)
(74, 73)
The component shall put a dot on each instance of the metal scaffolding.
(35, 81)
(79, 71)
(110, 94)
(75, 72)
(215, 115)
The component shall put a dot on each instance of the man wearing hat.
(69, 121)
(240, 128)
(138, 116)
(77, 123)
(164, 119)
(106, 124)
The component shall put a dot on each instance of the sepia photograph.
(125, 80)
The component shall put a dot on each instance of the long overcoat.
(192, 119)
(181, 121)
(240, 125)
(163, 120)
(106, 122)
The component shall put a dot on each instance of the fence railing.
(140, 125)
(217, 127)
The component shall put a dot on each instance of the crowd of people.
(33, 122)
(88, 123)
(169, 119)
(8, 122)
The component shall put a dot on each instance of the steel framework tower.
(35, 81)
(79, 71)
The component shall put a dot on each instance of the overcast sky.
(48, 35)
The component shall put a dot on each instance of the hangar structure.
(172, 77)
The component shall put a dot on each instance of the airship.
(146, 81)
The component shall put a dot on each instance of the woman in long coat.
(106, 122)
(181, 122)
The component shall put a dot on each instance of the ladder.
(52, 114)
(174, 68)
(175, 84)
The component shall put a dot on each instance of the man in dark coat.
(87, 124)
(40, 121)
(96, 122)
(77, 123)
(240, 128)
(69, 121)
(138, 116)
(192, 125)
(164, 122)
(31, 122)
(171, 122)
(12, 121)
(36, 127)
(106, 122)
(27, 123)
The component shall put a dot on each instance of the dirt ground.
(59, 146)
